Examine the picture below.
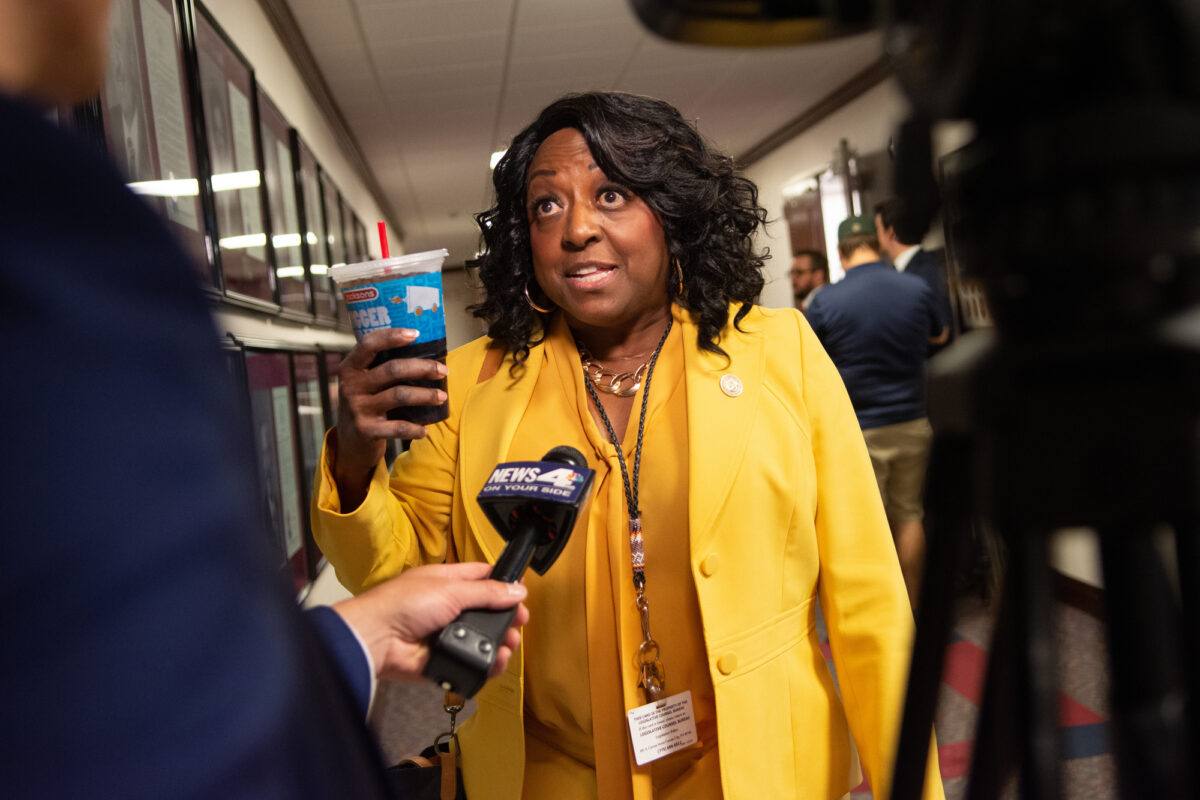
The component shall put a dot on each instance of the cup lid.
(400, 265)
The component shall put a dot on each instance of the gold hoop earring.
(534, 305)
(678, 276)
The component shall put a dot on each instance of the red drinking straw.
(383, 239)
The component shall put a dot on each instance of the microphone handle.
(466, 649)
(515, 556)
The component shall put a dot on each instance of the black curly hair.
(709, 214)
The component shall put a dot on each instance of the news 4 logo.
(550, 480)
(561, 477)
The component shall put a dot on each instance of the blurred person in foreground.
(877, 324)
(150, 648)
(809, 274)
(732, 487)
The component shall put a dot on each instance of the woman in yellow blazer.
(739, 454)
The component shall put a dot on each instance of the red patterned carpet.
(1087, 767)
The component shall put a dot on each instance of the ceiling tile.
(447, 80)
(604, 36)
(469, 106)
(434, 52)
(419, 19)
(584, 69)
(329, 23)
(532, 14)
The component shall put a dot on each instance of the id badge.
(663, 727)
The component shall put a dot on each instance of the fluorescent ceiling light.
(290, 272)
(227, 181)
(242, 242)
(496, 156)
(180, 187)
(286, 240)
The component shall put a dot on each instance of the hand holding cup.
(392, 384)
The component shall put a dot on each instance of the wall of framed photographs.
(183, 115)
(254, 179)
(291, 400)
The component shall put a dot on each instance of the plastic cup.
(401, 292)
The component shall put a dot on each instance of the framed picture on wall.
(316, 236)
(283, 213)
(360, 233)
(802, 210)
(310, 417)
(334, 235)
(272, 412)
(269, 518)
(227, 94)
(147, 121)
(330, 363)
(339, 242)
(350, 223)
(235, 362)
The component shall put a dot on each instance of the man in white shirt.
(900, 240)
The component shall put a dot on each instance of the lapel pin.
(731, 385)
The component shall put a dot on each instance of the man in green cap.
(877, 325)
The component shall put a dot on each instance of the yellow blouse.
(581, 679)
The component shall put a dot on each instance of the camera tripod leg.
(1187, 553)
(1039, 778)
(1150, 725)
(948, 492)
(995, 732)
(1018, 716)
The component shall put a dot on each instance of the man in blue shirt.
(877, 324)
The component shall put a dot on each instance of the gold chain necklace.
(606, 380)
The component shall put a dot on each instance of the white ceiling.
(430, 88)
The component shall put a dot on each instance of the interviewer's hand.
(365, 395)
(396, 617)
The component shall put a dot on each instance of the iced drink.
(401, 292)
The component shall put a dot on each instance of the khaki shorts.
(900, 455)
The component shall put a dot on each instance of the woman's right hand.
(365, 395)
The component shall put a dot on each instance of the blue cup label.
(412, 301)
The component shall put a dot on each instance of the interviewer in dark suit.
(146, 648)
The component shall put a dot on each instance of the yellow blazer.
(783, 507)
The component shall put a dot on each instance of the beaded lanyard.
(653, 675)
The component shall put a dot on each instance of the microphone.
(533, 504)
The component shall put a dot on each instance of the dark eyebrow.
(550, 172)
